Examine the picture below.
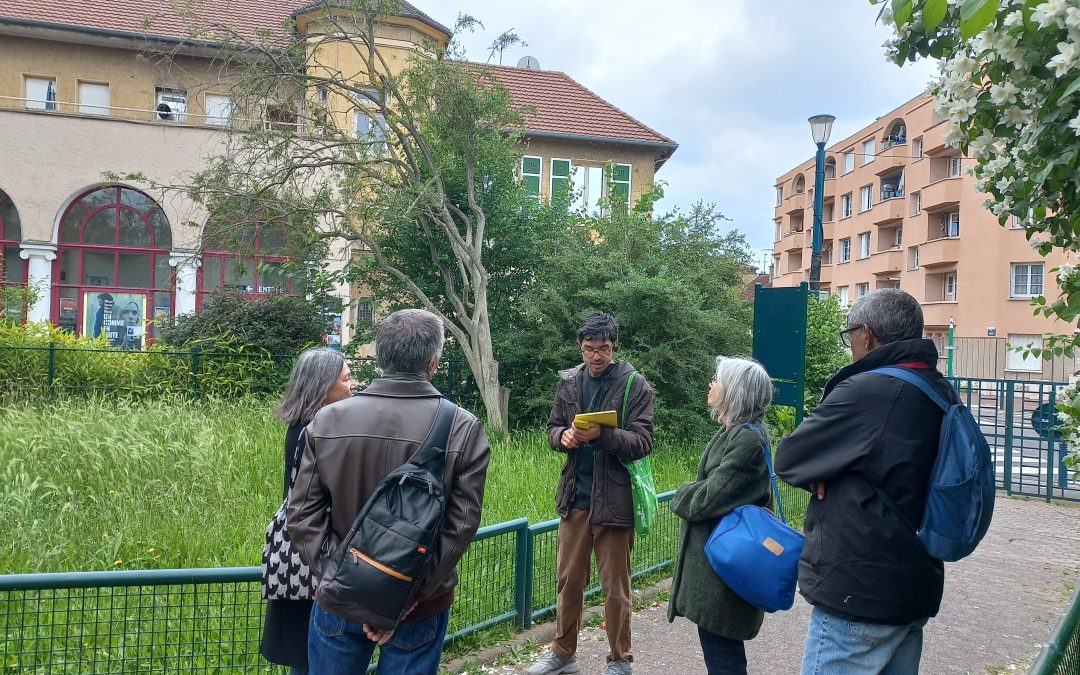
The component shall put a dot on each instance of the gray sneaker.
(553, 664)
(622, 667)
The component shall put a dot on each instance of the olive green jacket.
(732, 472)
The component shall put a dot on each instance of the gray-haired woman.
(320, 377)
(732, 473)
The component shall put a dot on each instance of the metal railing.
(210, 620)
(1061, 653)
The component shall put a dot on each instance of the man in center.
(593, 500)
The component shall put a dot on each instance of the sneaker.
(553, 664)
(621, 667)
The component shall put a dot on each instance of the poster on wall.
(117, 316)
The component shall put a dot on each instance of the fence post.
(522, 590)
(1007, 478)
(195, 365)
(1050, 443)
(52, 369)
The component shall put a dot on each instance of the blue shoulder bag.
(756, 553)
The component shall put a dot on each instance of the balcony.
(890, 210)
(827, 230)
(792, 241)
(887, 262)
(795, 204)
(938, 252)
(891, 160)
(934, 139)
(942, 195)
(938, 313)
(826, 273)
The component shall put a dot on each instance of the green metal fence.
(1017, 417)
(210, 620)
(1061, 653)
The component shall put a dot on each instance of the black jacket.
(869, 432)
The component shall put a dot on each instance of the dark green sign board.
(780, 341)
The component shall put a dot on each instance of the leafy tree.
(1010, 85)
(410, 195)
(825, 354)
(671, 281)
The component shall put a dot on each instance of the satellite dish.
(529, 62)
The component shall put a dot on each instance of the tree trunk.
(485, 370)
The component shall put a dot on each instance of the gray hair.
(890, 313)
(315, 371)
(745, 391)
(407, 340)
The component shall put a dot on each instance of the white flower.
(1064, 60)
(1014, 19)
(1074, 124)
(1065, 271)
(1003, 93)
(1016, 116)
(1072, 18)
(1050, 13)
(962, 109)
(1035, 243)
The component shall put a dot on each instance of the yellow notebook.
(605, 418)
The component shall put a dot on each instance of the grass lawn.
(114, 485)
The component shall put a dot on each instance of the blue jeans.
(723, 656)
(842, 646)
(338, 646)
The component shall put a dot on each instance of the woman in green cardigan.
(732, 472)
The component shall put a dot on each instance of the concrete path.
(999, 605)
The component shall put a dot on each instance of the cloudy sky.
(732, 81)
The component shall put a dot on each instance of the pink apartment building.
(901, 211)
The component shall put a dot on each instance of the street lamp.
(820, 128)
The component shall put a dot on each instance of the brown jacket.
(612, 503)
(353, 444)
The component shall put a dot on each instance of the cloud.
(733, 82)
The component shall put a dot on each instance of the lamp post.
(820, 128)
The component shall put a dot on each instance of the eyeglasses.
(599, 351)
(845, 335)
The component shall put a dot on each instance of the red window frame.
(81, 247)
(255, 258)
(10, 237)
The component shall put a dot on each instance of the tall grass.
(90, 485)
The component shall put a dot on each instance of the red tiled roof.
(562, 105)
(157, 18)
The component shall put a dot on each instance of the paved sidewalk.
(999, 605)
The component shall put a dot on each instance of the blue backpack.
(960, 499)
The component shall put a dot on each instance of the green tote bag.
(642, 486)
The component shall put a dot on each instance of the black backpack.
(374, 574)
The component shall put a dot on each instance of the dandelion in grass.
(118, 562)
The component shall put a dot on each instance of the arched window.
(830, 167)
(799, 184)
(12, 267)
(895, 134)
(247, 258)
(112, 273)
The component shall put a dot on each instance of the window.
(830, 167)
(40, 93)
(779, 195)
(899, 237)
(10, 240)
(171, 104)
(866, 198)
(560, 177)
(948, 288)
(1027, 280)
(950, 224)
(864, 245)
(531, 174)
(93, 98)
(778, 231)
(842, 294)
(827, 212)
(248, 256)
(849, 161)
(861, 290)
(916, 148)
(868, 151)
(845, 249)
(845, 205)
(372, 129)
(955, 167)
(1017, 360)
(775, 266)
(324, 93)
(913, 257)
(588, 186)
(799, 185)
(916, 203)
(219, 110)
(364, 313)
(112, 270)
(620, 185)
(1018, 223)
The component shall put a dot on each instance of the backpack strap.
(768, 463)
(434, 445)
(918, 380)
(626, 398)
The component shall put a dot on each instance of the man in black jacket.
(865, 452)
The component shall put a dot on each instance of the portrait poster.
(161, 314)
(120, 317)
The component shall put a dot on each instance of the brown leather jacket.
(611, 504)
(353, 444)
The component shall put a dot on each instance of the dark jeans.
(338, 646)
(722, 656)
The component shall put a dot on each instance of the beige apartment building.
(84, 92)
(901, 211)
